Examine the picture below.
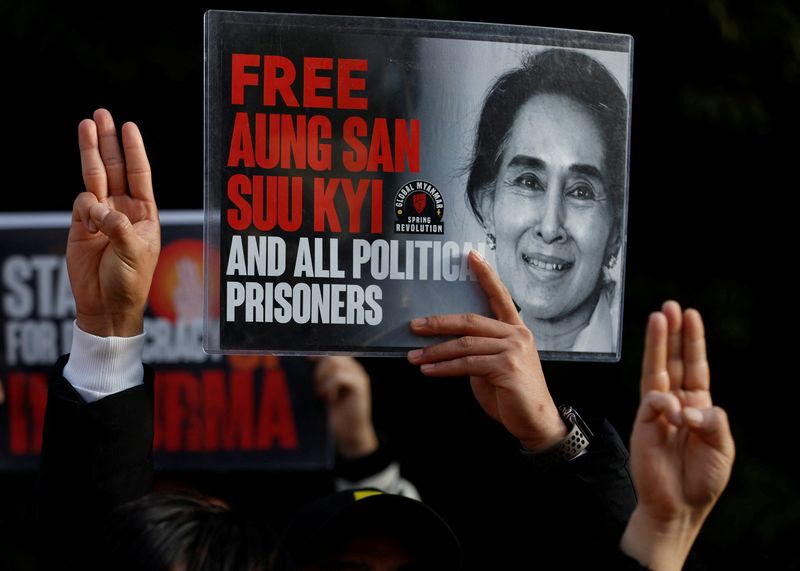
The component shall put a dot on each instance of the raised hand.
(344, 385)
(681, 447)
(114, 239)
(500, 357)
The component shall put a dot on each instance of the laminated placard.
(352, 163)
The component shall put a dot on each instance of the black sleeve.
(95, 457)
(620, 562)
(603, 476)
(595, 498)
(599, 497)
(357, 469)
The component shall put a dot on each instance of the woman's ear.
(486, 206)
(612, 250)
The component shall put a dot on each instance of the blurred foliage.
(755, 54)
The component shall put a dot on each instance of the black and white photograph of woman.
(547, 184)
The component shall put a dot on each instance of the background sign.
(210, 411)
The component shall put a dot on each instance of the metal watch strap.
(573, 445)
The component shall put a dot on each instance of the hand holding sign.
(500, 357)
(114, 239)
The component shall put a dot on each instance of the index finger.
(654, 363)
(92, 167)
(137, 166)
(499, 298)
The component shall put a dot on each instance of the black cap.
(333, 519)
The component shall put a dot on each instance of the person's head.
(547, 179)
(177, 532)
(370, 531)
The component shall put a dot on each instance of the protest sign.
(353, 163)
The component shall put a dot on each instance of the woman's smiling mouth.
(547, 263)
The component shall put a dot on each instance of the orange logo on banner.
(177, 289)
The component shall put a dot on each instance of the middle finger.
(457, 348)
(110, 152)
(460, 324)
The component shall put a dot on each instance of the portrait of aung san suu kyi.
(547, 184)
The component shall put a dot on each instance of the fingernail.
(693, 416)
(104, 210)
(91, 226)
(98, 212)
(427, 367)
(419, 322)
(478, 255)
(414, 354)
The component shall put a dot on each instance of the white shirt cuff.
(102, 366)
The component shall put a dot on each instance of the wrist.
(548, 433)
(128, 324)
(358, 444)
(660, 544)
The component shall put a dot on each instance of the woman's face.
(550, 210)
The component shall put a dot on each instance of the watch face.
(571, 416)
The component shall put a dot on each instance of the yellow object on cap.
(361, 494)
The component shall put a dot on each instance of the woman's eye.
(528, 180)
(582, 192)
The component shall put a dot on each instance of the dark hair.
(162, 532)
(554, 71)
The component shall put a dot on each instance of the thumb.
(658, 403)
(117, 227)
(711, 424)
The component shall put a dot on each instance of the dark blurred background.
(712, 193)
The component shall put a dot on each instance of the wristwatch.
(572, 446)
